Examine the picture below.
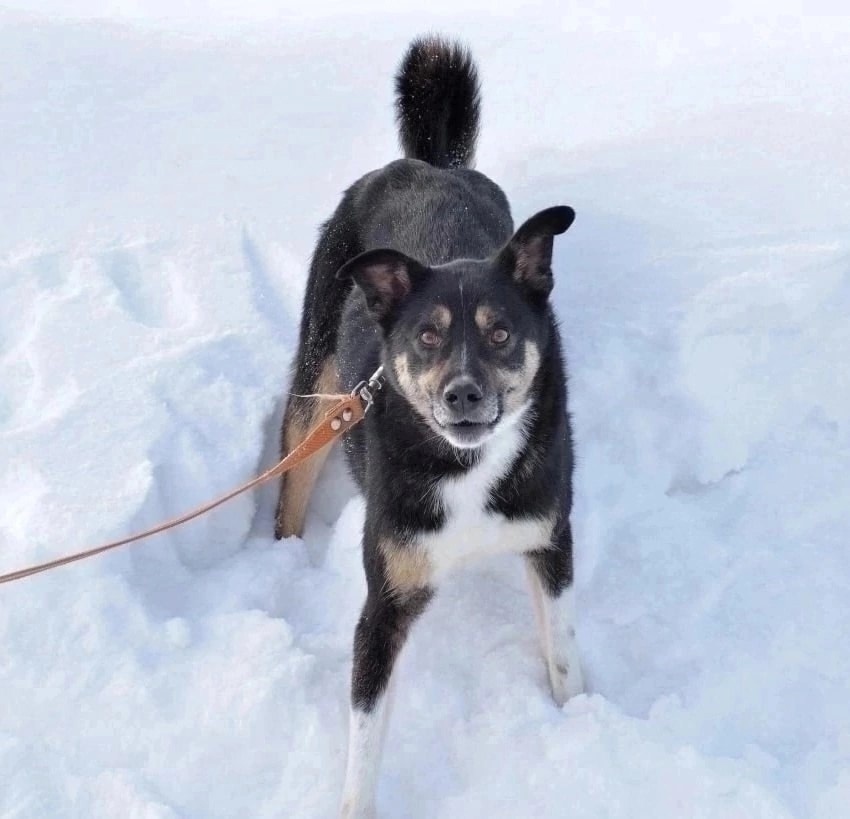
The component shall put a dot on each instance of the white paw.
(351, 809)
(565, 676)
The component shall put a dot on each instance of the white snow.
(163, 170)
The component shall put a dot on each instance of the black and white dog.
(468, 449)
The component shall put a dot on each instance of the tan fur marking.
(442, 317)
(297, 485)
(407, 568)
(516, 383)
(416, 391)
(432, 377)
(485, 317)
(401, 365)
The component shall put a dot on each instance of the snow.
(162, 180)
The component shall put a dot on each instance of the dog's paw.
(282, 527)
(565, 675)
(351, 809)
(285, 524)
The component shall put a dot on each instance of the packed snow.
(161, 182)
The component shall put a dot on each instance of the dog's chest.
(470, 530)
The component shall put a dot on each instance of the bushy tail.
(438, 103)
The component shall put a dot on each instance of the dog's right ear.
(386, 277)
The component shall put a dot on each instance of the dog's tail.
(438, 103)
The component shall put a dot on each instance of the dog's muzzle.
(465, 413)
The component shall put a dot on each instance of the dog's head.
(464, 340)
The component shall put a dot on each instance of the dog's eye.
(499, 336)
(430, 339)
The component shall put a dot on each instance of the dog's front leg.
(550, 575)
(381, 632)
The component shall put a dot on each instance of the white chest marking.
(470, 530)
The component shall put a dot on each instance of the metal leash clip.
(366, 390)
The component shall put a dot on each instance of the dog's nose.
(462, 394)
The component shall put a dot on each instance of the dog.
(468, 448)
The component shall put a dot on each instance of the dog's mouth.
(465, 428)
(468, 434)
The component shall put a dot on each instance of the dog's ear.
(527, 257)
(386, 277)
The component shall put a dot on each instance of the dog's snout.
(466, 404)
(462, 394)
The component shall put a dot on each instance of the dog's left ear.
(527, 257)
(385, 276)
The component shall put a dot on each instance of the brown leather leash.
(339, 419)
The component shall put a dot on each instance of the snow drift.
(160, 195)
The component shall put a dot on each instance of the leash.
(339, 419)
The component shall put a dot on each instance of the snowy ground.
(160, 185)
